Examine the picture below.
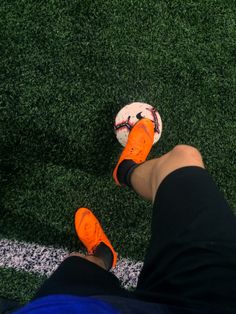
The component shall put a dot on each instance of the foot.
(91, 234)
(139, 144)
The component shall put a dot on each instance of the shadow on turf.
(42, 233)
(7, 306)
(60, 151)
(29, 144)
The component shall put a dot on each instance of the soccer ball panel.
(130, 114)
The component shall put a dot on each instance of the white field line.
(43, 260)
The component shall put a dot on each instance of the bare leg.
(147, 177)
(96, 260)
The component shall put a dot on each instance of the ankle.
(104, 253)
(91, 258)
(125, 171)
(96, 260)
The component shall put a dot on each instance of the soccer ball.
(130, 114)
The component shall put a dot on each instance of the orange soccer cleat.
(139, 144)
(90, 232)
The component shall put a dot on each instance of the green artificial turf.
(67, 67)
(19, 285)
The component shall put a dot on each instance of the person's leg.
(192, 251)
(80, 277)
(91, 258)
(147, 177)
(86, 275)
(144, 176)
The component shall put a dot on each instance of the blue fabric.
(64, 304)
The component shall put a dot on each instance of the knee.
(187, 152)
(180, 156)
